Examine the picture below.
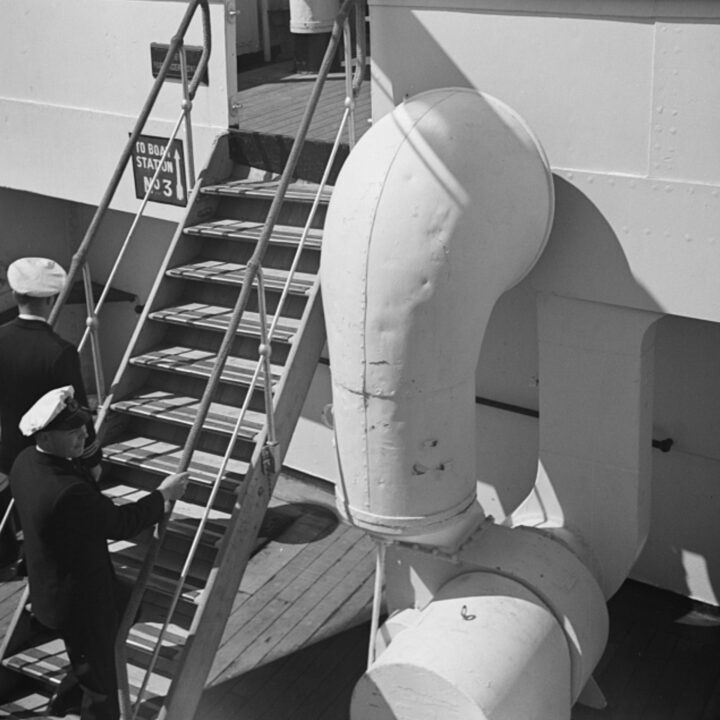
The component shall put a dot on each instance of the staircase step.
(216, 317)
(163, 584)
(129, 556)
(228, 273)
(162, 457)
(31, 705)
(200, 363)
(143, 637)
(250, 230)
(182, 410)
(296, 191)
(49, 663)
(185, 516)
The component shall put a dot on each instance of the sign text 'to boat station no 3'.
(170, 184)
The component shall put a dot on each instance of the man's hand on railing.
(173, 487)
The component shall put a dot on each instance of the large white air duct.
(445, 204)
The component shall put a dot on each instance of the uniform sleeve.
(67, 372)
(86, 511)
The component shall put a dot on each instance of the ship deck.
(272, 98)
(662, 661)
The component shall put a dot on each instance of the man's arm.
(87, 511)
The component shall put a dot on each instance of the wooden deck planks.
(669, 669)
(273, 99)
(308, 685)
(291, 606)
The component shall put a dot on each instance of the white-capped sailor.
(61, 420)
(33, 360)
(67, 522)
(36, 277)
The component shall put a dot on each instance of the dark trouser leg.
(90, 646)
(9, 545)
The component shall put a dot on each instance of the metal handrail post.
(360, 46)
(187, 105)
(92, 327)
(79, 257)
(264, 353)
(349, 94)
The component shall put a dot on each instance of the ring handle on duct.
(327, 418)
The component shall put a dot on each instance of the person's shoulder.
(9, 328)
(28, 454)
(22, 330)
(23, 464)
(49, 340)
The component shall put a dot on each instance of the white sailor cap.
(36, 277)
(55, 410)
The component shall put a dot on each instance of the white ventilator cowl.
(443, 205)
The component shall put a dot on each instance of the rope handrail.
(80, 254)
(252, 270)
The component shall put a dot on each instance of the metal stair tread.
(229, 273)
(200, 363)
(163, 584)
(129, 556)
(182, 410)
(32, 705)
(162, 457)
(216, 317)
(49, 663)
(144, 635)
(185, 516)
(297, 191)
(251, 230)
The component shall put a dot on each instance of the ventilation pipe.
(444, 205)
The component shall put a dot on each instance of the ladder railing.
(78, 263)
(253, 274)
(262, 366)
(79, 259)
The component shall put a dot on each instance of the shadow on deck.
(662, 662)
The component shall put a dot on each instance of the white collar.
(45, 452)
(27, 316)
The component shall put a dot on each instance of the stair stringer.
(234, 553)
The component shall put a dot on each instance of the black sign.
(158, 51)
(170, 185)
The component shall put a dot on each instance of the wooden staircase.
(155, 398)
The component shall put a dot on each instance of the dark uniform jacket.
(34, 360)
(67, 521)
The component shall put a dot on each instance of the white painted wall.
(69, 98)
(621, 95)
(30, 228)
